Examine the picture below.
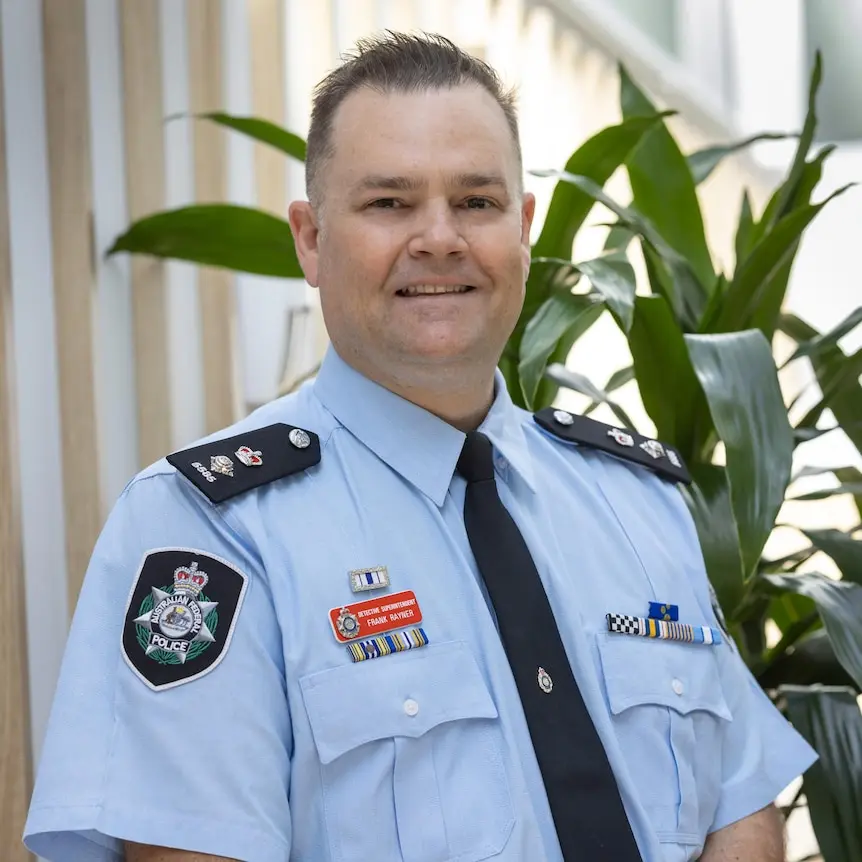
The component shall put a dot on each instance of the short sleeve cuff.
(759, 790)
(92, 834)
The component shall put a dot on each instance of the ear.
(306, 233)
(528, 210)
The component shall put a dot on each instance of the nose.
(437, 234)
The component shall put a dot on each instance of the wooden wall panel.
(216, 286)
(268, 100)
(67, 122)
(145, 179)
(15, 771)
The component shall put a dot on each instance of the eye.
(479, 203)
(385, 204)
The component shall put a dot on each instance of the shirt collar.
(417, 444)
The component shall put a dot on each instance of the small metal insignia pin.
(249, 457)
(347, 624)
(564, 417)
(375, 578)
(299, 438)
(545, 681)
(674, 458)
(221, 464)
(653, 448)
(621, 437)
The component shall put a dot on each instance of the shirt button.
(677, 686)
(411, 707)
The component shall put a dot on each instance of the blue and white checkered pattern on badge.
(663, 630)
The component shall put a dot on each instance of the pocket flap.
(398, 695)
(681, 676)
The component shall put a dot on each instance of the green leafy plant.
(702, 359)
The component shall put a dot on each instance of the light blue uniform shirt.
(289, 750)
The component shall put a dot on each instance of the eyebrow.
(410, 184)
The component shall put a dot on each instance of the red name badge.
(375, 616)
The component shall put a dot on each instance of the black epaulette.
(624, 444)
(224, 468)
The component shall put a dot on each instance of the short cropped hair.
(396, 62)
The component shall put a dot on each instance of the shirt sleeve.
(761, 751)
(201, 764)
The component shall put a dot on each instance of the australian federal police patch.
(181, 615)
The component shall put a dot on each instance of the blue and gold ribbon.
(387, 644)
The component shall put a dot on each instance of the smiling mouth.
(434, 289)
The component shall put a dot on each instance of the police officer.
(391, 616)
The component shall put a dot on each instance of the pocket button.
(677, 686)
(411, 708)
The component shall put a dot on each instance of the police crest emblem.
(180, 617)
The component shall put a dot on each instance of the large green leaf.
(597, 159)
(668, 386)
(618, 379)
(686, 295)
(822, 344)
(846, 552)
(850, 476)
(561, 315)
(738, 376)
(569, 379)
(812, 661)
(812, 173)
(840, 606)
(854, 488)
(788, 193)
(263, 131)
(744, 226)
(829, 718)
(663, 187)
(614, 278)
(829, 365)
(708, 500)
(842, 380)
(224, 235)
(758, 287)
(703, 162)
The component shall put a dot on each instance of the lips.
(434, 289)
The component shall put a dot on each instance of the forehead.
(454, 130)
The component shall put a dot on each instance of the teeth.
(423, 289)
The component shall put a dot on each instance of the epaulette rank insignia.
(624, 444)
(222, 469)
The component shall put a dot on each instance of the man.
(331, 632)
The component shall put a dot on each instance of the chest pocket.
(411, 760)
(669, 715)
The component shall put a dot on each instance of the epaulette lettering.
(630, 445)
(222, 469)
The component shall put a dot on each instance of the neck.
(463, 409)
(461, 397)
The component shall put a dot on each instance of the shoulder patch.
(629, 445)
(181, 615)
(225, 468)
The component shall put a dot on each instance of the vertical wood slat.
(217, 300)
(67, 123)
(145, 179)
(15, 771)
(268, 100)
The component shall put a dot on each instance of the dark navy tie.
(588, 813)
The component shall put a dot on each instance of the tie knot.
(476, 463)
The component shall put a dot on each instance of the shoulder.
(625, 444)
(277, 441)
